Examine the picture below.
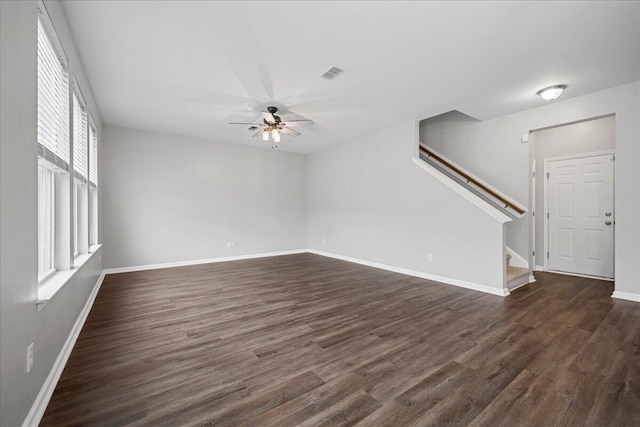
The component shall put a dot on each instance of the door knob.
(607, 214)
(607, 222)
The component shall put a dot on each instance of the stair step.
(517, 277)
(508, 260)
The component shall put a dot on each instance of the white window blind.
(79, 140)
(53, 103)
(93, 157)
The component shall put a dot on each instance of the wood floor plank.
(309, 340)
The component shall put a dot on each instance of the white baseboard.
(516, 259)
(200, 261)
(626, 296)
(586, 276)
(539, 268)
(446, 280)
(435, 278)
(44, 395)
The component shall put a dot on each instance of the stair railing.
(471, 180)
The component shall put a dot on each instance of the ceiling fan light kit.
(273, 127)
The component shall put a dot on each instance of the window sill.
(52, 284)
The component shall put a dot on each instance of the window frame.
(53, 142)
(93, 191)
(49, 220)
(80, 174)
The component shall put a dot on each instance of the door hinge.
(534, 253)
(547, 175)
(534, 174)
(547, 215)
(547, 254)
(533, 213)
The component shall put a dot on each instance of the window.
(53, 146)
(53, 104)
(46, 218)
(93, 184)
(76, 218)
(80, 172)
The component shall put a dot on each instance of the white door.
(581, 217)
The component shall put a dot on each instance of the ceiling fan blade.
(290, 132)
(268, 117)
(257, 133)
(297, 123)
(251, 124)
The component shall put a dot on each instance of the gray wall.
(172, 198)
(492, 150)
(368, 200)
(20, 322)
(578, 138)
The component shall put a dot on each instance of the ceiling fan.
(272, 126)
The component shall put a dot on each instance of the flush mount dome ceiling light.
(551, 92)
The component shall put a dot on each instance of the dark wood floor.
(308, 340)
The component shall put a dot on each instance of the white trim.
(46, 391)
(545, 220)
(200, 261)
(455, 186)
(446, 280)
(43, 14)
(626, 296)
(580, 155)
(566, 273)
(532, 175)
(519, 261)
(521, 285)
(546, 270)
(54, 282)
(532, 278)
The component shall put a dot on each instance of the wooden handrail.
(507, 202)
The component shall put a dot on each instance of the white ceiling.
(190, 67)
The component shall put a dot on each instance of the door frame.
(545, 217)
(533, 216)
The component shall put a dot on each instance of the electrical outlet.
(429, 256)
(233, 244)
(29, 357)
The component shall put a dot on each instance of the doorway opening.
(572, 192)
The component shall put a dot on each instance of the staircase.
(492, 201)
(516, 276)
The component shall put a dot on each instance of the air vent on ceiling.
(253, 127)
(332, 73)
